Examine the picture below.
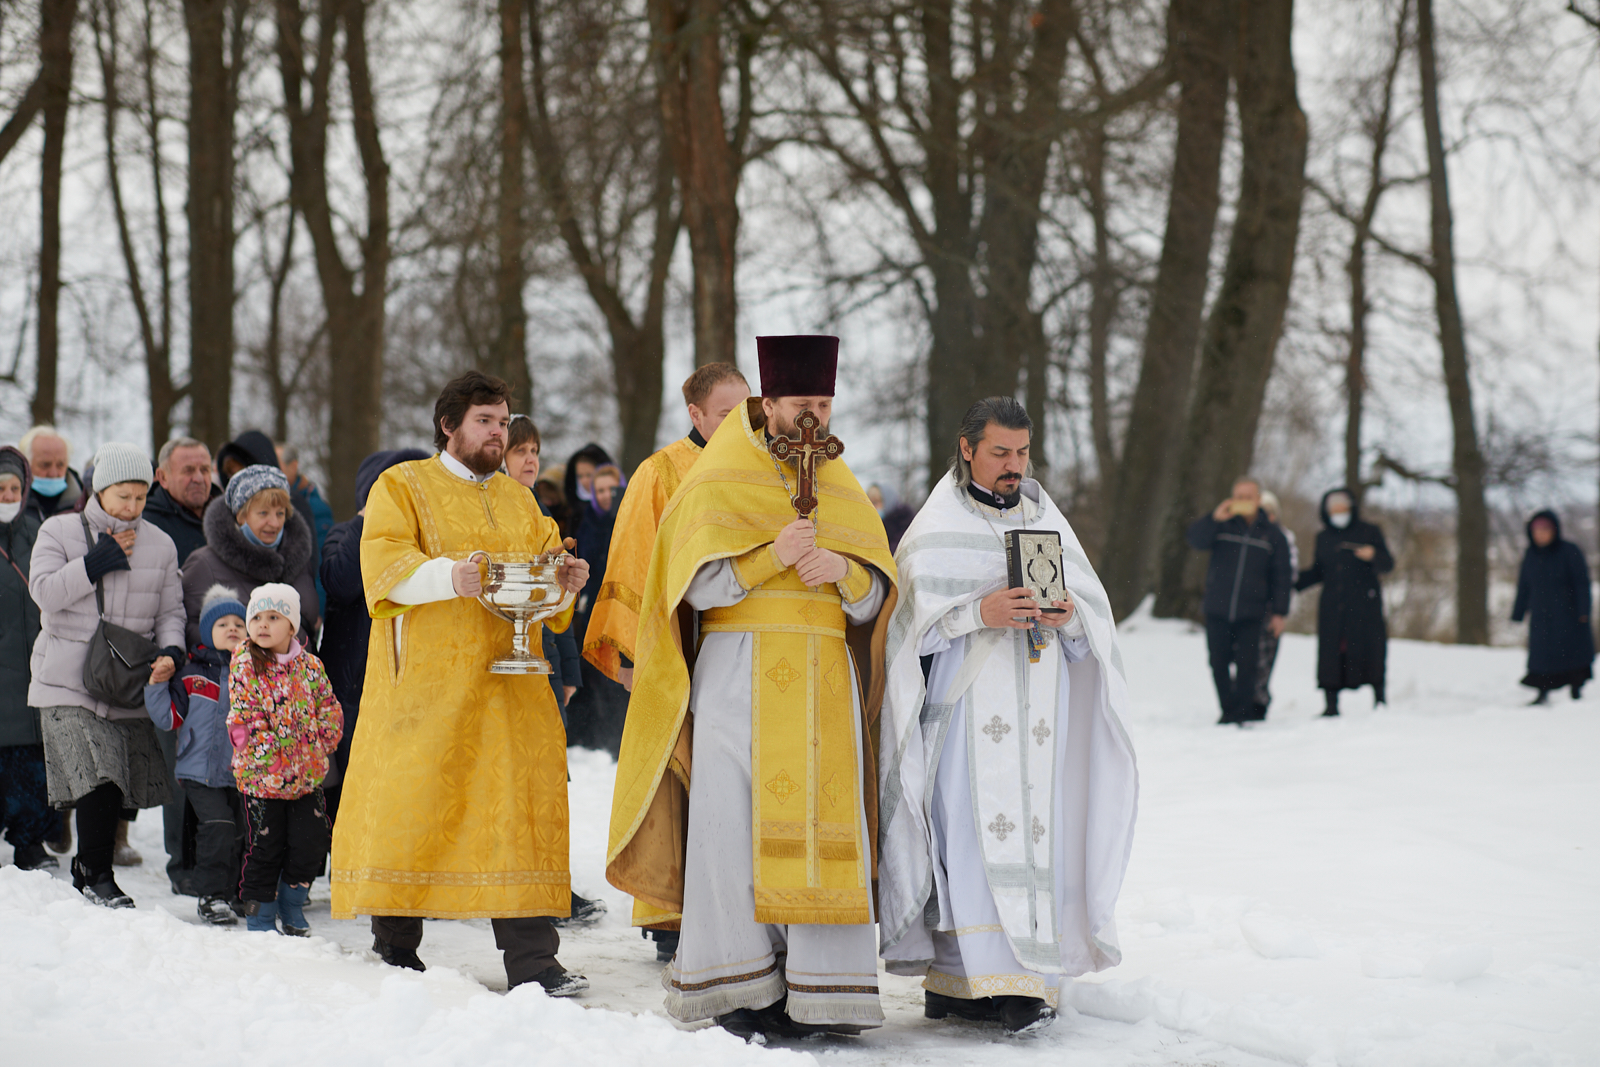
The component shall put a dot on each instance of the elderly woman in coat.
(253, 536)
(1348, 561)
(101, 758)
(1553, 594)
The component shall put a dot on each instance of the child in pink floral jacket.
(284, 721)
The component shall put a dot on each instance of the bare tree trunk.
(637, 343)
(155, 327)
(1104, 295)
(211, 227)
(511, 340)
(1201, 34)
(56, 18)
(1472, 512)
(689, 54)
(26, 111)
(1355, 375)
(355, 316)
(1242, 331)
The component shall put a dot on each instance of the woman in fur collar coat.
(253, 537)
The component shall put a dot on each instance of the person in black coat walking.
(1247, 588)
(1352, 639)
(1553, 594)
(347, 627)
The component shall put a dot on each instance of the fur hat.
(219, 603)
(250, 481)
(118, 462)
(275, 596)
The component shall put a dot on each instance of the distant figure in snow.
(1270, 638)
(1554, 587)
(1352, 640)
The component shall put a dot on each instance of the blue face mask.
(50, 486)
(250, 535)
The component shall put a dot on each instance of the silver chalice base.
(522, 593)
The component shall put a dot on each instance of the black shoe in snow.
(99, 887)
(666, 944)
(557, 982)
(756, 1025)
(1542, 699)
(939, 1006)
(1024, 1015)
(1577, 691)
(395, 956)
(183, 884)
(34, 857)
(216, 911)
(584, 912)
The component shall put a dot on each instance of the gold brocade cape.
(614, 621)
(732, 506)
(455, 801)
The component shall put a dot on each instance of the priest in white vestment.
(1008, 786)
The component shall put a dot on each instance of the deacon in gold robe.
(767, 858)
(710, 393)
(455, 801)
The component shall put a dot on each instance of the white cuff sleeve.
(958, 622)
(428, 583)
(1074, 625)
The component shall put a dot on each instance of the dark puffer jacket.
(19, 619)
(1249, 576)
(228, 559)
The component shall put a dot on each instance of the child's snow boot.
(291, 902)
(261, 916)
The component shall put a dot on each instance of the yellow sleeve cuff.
(857, 582)
(756, 566)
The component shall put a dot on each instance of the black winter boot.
(34, 857)
(1542, 699)
(99, 887)
(1024, 1015)
(978, 1010)
(396, 956)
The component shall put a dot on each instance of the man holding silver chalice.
(455, 801)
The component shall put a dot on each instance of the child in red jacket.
(283, 721)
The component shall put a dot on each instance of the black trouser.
(1236, 644)
(287, 838)
(25, 811)
(98, 812)
(218, 841)
(172, 810)
(529, 944)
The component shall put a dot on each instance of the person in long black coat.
(1553, 593)
(1352, 638)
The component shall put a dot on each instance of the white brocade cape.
(952, 555)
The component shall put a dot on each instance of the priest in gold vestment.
(745, 791)
(455, 801)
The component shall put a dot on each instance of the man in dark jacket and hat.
(347, 628)
(1553, 594)
(25, 812)
(1247, 588)
(1352, 640)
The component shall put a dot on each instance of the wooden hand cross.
(807, 452)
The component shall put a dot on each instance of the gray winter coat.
(147, 599)
(228, 559)
(19, 623)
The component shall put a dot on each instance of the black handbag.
(119, 660)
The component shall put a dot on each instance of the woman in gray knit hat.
(99, 757)
(253, 537)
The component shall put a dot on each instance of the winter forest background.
(1355, 241)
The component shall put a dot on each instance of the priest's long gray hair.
(1002, 411)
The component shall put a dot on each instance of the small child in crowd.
(195, 703)
(283, 721)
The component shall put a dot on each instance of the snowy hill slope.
(1418, 885)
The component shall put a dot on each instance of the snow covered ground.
(1414, 886)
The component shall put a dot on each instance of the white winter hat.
(118, 462)
(275, 596)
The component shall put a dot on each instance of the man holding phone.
(1247, 588)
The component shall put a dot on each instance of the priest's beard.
(485, 459)
(778, 426)
(1008, 488)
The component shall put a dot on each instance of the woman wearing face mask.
(1352, 639)
(1553, 594)
(253, 537)
(100, 758)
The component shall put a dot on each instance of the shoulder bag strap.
(14, 567)
(99, 593)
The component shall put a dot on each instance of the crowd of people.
(200, 635)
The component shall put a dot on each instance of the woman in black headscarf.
(1553, 593)
(1352, 640)
(578, 482)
